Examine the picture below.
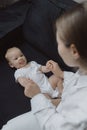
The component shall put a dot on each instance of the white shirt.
(71, 113)
(33, 72)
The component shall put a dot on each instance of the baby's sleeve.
(18, 74)
(34, 63)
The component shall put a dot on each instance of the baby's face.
(16, 58)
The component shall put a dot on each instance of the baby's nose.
(20, 58)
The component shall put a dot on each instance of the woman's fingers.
(31, 89)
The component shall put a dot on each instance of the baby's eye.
(21, 55)
(16, 58)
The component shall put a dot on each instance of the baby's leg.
(60, 85)
(53, 81)
(25, 121)
(56, 83)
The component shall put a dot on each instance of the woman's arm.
(69, 114)
(65, 118)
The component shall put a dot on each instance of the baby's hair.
(72, 28)
(8, 51)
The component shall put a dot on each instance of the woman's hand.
(56, 102)
(23, 81)
(54, 68)
(31, 89)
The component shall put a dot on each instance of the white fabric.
(37, 76)
(26, 121)
(70, 114)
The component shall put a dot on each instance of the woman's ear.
(74, 51)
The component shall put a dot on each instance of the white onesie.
(37, 76)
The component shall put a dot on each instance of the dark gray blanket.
(30, 26)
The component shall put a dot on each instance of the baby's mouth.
(22, 62)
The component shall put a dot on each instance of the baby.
(31, 70)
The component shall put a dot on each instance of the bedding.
(28, 25)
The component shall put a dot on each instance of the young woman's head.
(72, 35)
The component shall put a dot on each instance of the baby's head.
(15, 58)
